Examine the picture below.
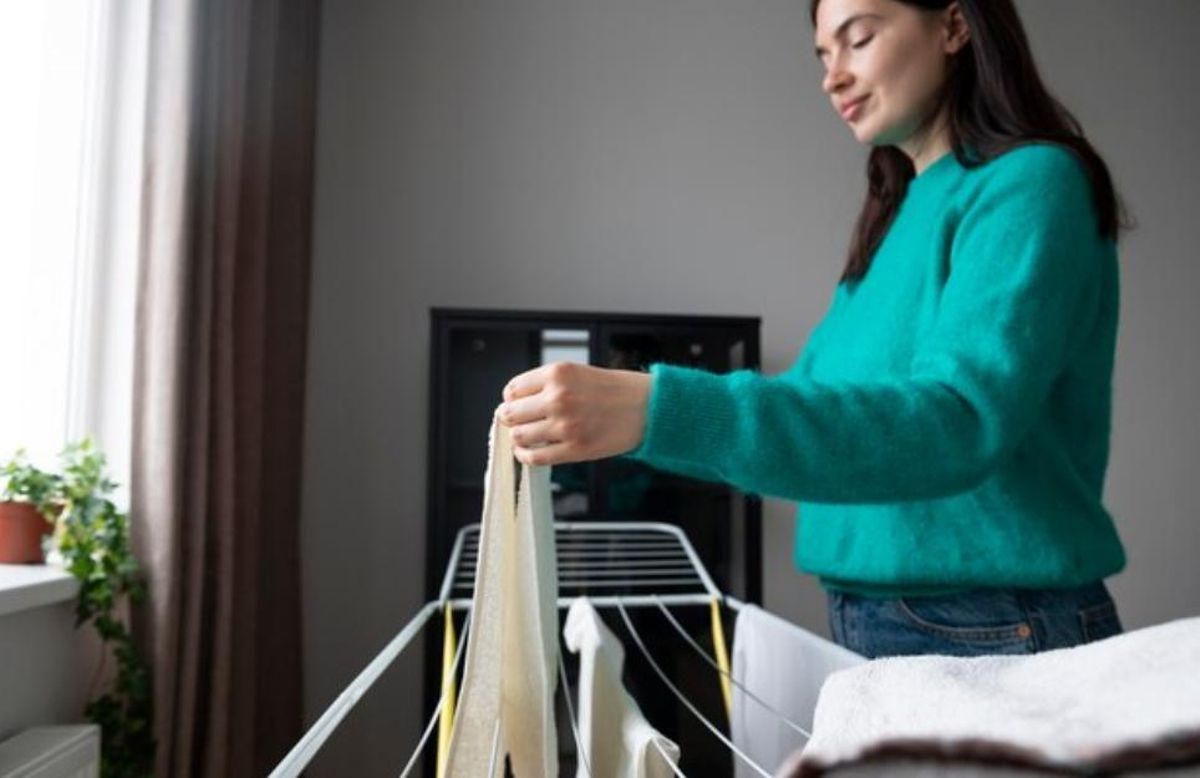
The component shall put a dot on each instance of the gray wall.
(670, 156)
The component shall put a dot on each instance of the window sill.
(23, 587)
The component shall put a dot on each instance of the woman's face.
(885, 64)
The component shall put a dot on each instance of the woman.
(946, 427)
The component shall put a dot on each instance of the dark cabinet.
(474, 354)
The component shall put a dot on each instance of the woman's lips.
(851, 110)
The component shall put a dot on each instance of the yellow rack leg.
(718, 632)
(446, 717)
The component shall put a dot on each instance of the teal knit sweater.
(946, 426)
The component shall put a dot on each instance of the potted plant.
(26, 511)
(91, 536)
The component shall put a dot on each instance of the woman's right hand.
(567, 412)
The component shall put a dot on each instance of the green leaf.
(92, 535)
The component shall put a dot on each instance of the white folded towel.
(1130, 702)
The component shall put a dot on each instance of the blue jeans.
(974, 623)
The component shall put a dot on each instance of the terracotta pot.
(21, 531)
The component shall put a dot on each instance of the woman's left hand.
(567, 412)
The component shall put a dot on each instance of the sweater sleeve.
(1020, 295)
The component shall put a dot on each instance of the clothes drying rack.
(654, 562)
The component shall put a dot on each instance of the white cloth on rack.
(1131, 702)
(512, 648)
(784, 666)
(617, 739)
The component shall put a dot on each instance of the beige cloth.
(617, 739)
(512, 650)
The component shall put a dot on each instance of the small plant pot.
(21, 531)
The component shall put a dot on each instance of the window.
(72, 73)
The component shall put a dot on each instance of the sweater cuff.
(688, 418)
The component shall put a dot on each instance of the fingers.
(537, 379)
(522, 411)
(554, 454)
(534, 443)
(530, 400)
(534, 434)
(525, 384)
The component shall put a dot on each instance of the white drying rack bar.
(615, 564)
(637, 564)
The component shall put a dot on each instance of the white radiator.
(52, 752)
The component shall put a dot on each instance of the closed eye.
(862, 42)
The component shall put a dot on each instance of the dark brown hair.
(996, 101)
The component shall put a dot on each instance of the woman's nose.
(837, 78)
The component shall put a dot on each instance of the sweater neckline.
(935, 169)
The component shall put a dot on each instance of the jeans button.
(1024, 631)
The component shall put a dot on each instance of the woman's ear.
(957, 33)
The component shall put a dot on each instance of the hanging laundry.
(617, 740)
(506, 705)
(783, 666)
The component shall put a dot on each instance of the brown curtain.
(219, 377)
